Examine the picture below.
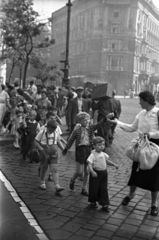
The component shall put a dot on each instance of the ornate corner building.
(115, 41)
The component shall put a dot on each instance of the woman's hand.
(110, 115)
(115, 121)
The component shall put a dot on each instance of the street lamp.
(66, 69)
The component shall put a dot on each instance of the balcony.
(144, 57)
(154, 62)
(110, 68)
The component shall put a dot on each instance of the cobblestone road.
(68, 216)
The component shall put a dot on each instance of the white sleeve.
(106, 156)
(90, 159)
(39, 136)
(129, 127)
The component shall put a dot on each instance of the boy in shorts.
(47, 141)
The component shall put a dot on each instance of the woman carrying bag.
(146, 122)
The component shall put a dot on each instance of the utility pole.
(66, 69)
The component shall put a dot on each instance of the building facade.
(114, 41)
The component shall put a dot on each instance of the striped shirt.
(76, 134)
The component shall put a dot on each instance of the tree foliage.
(20, 28)
(44, 70)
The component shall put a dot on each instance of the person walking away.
(83, 136)
(98, 181)
(117, 111)
(104, 106)
(47, 141)
(146, 122)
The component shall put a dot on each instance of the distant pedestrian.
(75, 106)
(98, 181)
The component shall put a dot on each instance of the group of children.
(44, 137)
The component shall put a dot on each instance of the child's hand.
(94, 174)
(64, 152)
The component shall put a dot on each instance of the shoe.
(16, 145)
(94, 205)
(154, 211)
(50, 178)
(42, 186)
(59, 189)
(125, 201)
(106, 208)
(72, 184)
(84, 192)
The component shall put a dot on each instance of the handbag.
(133, 150)
(149, 154)
(143, 151)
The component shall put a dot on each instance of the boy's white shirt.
(53, 138)
(98, 160)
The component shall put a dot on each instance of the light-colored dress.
(3, 102)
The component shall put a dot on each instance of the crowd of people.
(33, 117)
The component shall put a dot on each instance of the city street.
(68, 215)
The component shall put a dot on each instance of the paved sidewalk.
(68, 215)
(13, 224)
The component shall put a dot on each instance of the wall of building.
(114, 40)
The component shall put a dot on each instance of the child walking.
(83, 135)
(47, 141)
(98, 181)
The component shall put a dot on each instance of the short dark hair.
(52, 108)
(98, 140)
(147, 96)
(52, 124)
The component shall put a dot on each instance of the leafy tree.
(45, 72)
(21, 27)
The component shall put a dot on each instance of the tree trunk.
(25, 71)
(11, 73)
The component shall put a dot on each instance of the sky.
(156, 2)
(46, 7)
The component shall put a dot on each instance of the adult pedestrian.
(33, 88)
(75, 106)
(4, 103)
(104, 106)
(117, 111)
(146, 122)
(60, 102)
(43, 101)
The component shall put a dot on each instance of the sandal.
(125, 201)
(107, 208)
(84, 192)
(94, 205)
(42, 186)
(154, 211)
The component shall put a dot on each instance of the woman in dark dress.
(146, 122)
